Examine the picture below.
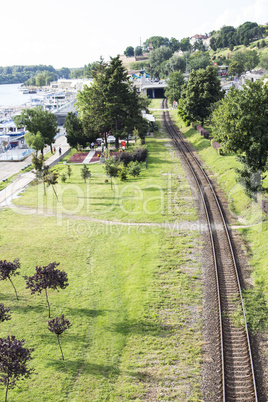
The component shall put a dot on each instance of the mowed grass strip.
(134, 297)
(143, 199)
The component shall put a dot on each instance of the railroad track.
(237, 381)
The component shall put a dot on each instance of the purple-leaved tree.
(47, 277)
(58, 325)
(8, 269)
(13, 362)
(4, 316)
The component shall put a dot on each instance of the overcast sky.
(65, 33)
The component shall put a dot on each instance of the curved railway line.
(235, 363)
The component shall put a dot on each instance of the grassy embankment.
(254, 224)
(134, 295)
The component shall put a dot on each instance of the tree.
(69, 171)
(174, 44)
(244, 61)
(58, 325)
(47, 277)
(174, 88)
(35, 141)
(74, 129)
(8, 269)
(241, 127)
(175, 63)
(51, 178)
(156, 41)
(4, 316)
(185, 45)
(13, 362)
(203, 89)
(64, 73)
(138, 51)
(85, 173)
(39, 123)
(129, 52)
(111, 103)
(264, 61)
(235, 67)
(199, 60)
(38, 163)
(112, 168)
(134, 168)
(156, 58)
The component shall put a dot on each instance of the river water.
(10, 96)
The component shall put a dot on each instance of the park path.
(8, 169)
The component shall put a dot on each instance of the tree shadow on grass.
(50, 339)
(157, 160)
(71, 366)
(22, 309)
(85, 312)
(140, 327)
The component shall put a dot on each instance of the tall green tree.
(156, 42)
(175, 85)
(74, 129)
(129, 52)
(199, 60)
(41, 124)
(157, 57)
(111, 103)
(175, 63)
(241, 127)
(203, 89)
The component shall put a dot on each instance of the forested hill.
(36, 74)
(165, 55)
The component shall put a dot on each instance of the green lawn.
(134, 297)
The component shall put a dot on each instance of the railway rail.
(235, 358)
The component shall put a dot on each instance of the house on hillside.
(198, 38)
(253, 75)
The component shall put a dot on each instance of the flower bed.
(79, 157)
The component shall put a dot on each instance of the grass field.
(134, 297)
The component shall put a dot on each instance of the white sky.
(66, 33)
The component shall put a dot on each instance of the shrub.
(140, 154)
(124, 157)
(134, 168)
(123, 173)
(63, 178)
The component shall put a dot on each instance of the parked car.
(99, 141)
(111, 139)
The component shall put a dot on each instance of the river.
(11, 96)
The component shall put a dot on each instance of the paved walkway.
(24, 179)
(89, 156)
(8, 169)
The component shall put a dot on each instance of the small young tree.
(58, 325)
(38, 163)
(4, 316)
(51, 178)
(134, 168)
(122, 172)
(69, 171)
(8, 269)
(85, 173)
(13, 362)
(47, 277)
(111, 168)
(63, 177)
